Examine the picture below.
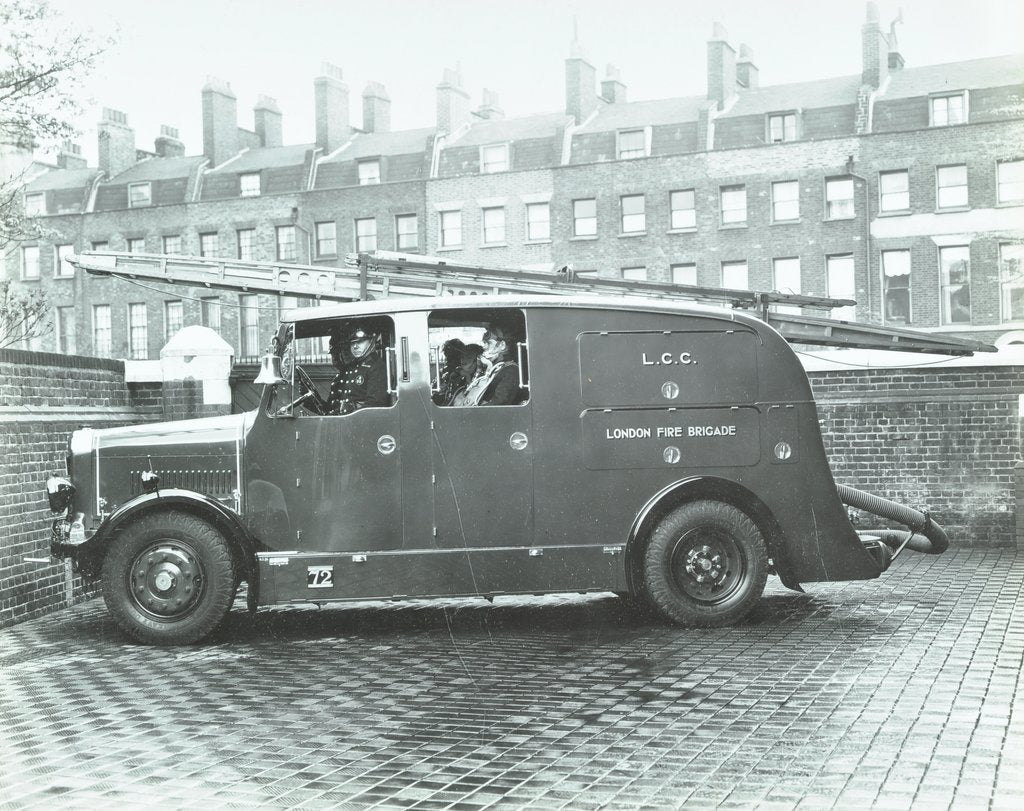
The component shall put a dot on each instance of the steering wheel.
(315, 403)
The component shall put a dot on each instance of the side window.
(336, 366)
(478, 357)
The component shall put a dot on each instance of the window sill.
(786, 222)
(952, 209)
(537, 242)
(840, 219)
(628, 234)
(1010, 204)
(682, 230)
(65, 277)
(733, 226)
(900, 213)
(494, 245)
(31, 278)
(583, 238)
(449, 248)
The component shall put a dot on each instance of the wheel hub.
(166, 580)
(704, 564)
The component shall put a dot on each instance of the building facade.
(900, 187)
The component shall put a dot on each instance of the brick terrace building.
(901, 187)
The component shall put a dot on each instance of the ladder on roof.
(385, 274)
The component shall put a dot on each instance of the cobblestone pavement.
(891, 693)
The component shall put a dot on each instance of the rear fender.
(705, 487)
(91, 554)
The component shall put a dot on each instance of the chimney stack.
(331, 100)
(452, 101)
(874, 50)
(580, 98)
(746, 70)
(220, 121)
(70, 156)
(267, 116)
(116, 142)
(490, 107)
(376, 108)
(721, 67)
(167, 144)
(612, 89)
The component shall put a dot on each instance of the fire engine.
(649, 441)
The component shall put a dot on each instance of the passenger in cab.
(362, 380)
(449, 378)
(498, 381)
(468, 371)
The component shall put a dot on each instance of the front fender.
(89, 556)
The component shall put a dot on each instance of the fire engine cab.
(667, 452)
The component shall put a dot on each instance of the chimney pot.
(167, 144)
(612, 89)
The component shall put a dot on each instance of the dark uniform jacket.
(361, 384)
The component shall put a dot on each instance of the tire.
(168, 579)
(705, 564)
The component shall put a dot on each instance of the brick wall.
(946, 440)
(43, 398)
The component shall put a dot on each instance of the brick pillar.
(195, 365)
(1018, 475)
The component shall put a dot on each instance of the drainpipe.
(867, 227)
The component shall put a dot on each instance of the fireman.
(362, 374)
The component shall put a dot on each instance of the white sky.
(165, 50)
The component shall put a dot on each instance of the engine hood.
(161, 436)
(201, 455)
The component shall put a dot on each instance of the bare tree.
(43, 61)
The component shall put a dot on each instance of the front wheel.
(705, 564)
(168, 579)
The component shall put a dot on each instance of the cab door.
(482, 456)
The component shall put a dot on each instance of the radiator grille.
(215, 483)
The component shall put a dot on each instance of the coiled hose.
(934, 541)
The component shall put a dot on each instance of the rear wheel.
(168, 579)
(705, 564)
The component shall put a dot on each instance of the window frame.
(577, 219)
(247, 190)
(106, 348)
(320, 240)
(848, 313)
(485, 227)
(138, 332)
(399, 233)
(26, 251)
(794, 202)
(32, 210)
(248, 243)
(630, 274)
(623, 154)
(281, 246)
(681, 266)
(1009, 284)
(368, 179)
(777, 264)
(442, 229)
(147, 201)
(946, 294)
(131, 243)
(210, 312)
(499, 166)
(887, 286)
(789, 134)
(937, 97)
(532, 207)
(637, 216)
(247, 330)
(730, 189)
(168, 303)
(882, 193)
(60, 262)
(837, 179)
(1013, 201)
(359, 238)
(734, 263)
(212, 237)
(939, 188)
(673, 210)
(165, 246)
(66, 342)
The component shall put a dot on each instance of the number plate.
(319, 577)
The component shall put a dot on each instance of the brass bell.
(270, 370)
